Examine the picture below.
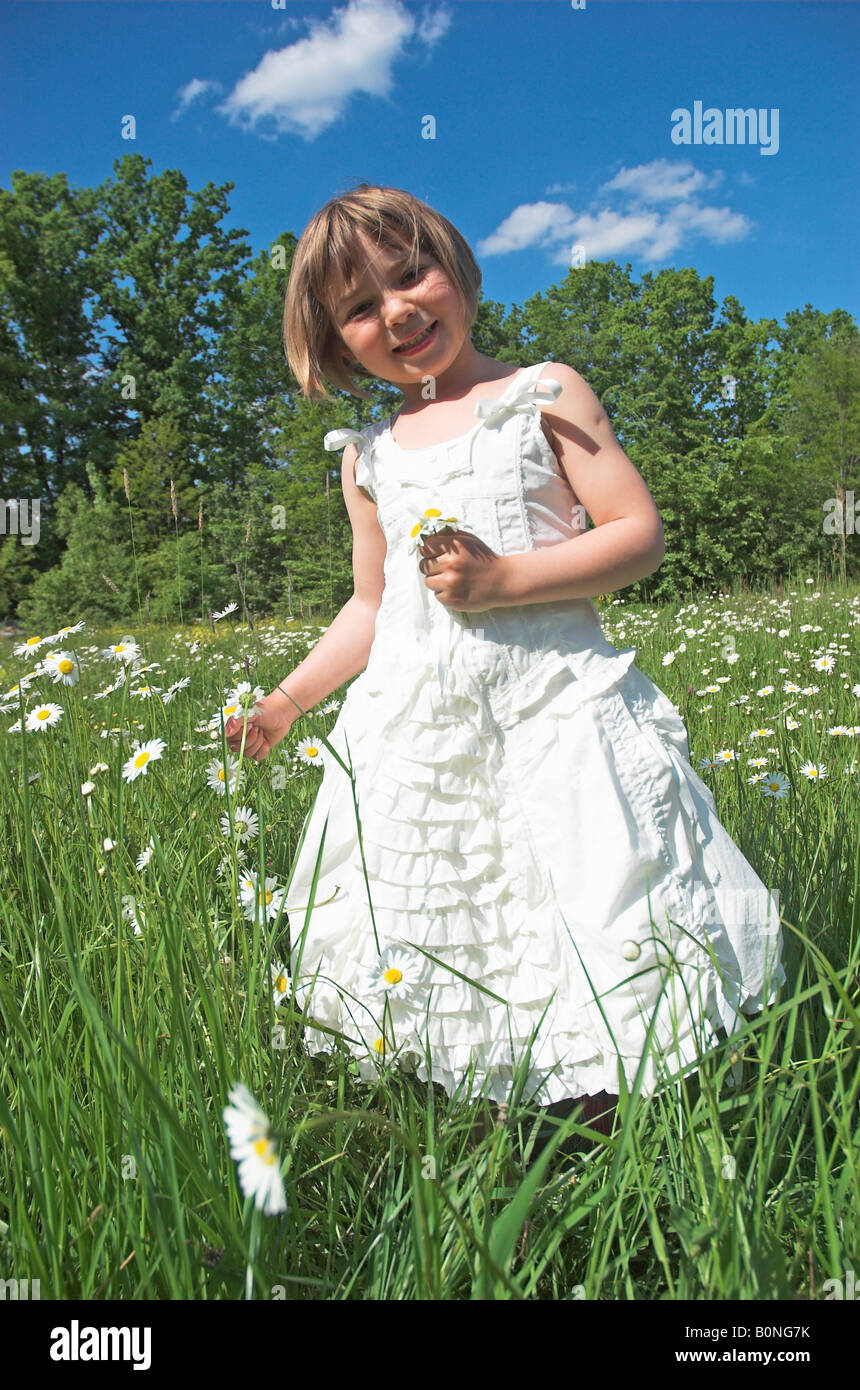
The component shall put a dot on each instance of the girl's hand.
(270, 724)
(463, 572)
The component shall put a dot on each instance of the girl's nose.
(398, 310)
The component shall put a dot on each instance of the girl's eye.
(412, 272)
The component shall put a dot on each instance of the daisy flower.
(87, 788)
(814, 772)
(62, 666)
(243, 694)
(145, 855)
(67, 631)
(760, 733)
(824, 663)
(127, 650)
(395, 974)
(310, 751)
(142, 756)
(221, 776)
(431, 523)
(725, 755)
(252, 1145)
(43, 715)
(280, 982)
(775, 785)
(171, 691)
(132, 913)
(267, 900)
(32, 644)
(245, 821)
(792, 723)
(231, 608)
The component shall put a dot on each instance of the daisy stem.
(253, 1247)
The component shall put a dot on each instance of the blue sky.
(553, 124)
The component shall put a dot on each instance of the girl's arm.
(627, 541)
(343, 650)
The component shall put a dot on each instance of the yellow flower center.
(312, 752)
(264, 897)
(32, 641)
(43, 714)
(265, 1150)
(281, 984)
(220, 774)
(66, 666)
(392, 976)
(141, 759)
(230, 709)
(432, 511)
(379, 1045)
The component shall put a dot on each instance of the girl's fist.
(270, 721)
(462, 571)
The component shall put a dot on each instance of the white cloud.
(661, 180)
(306, 86)
(191, 91)
(637, 228)
(434, 26)
(530, 224)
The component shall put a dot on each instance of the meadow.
(142, 976)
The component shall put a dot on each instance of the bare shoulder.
(576, 395)
(598, 470)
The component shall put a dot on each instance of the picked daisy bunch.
(431, 525)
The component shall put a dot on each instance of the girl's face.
(390, 302)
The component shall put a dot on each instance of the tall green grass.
(119, 1049)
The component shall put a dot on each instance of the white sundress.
(538, 852)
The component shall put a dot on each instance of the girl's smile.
(418, 342)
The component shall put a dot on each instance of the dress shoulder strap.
(338, 439)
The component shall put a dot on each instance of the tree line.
(146, 403)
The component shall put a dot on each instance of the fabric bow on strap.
(338, 439)
(524, 398)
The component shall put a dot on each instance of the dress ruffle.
(450, 859)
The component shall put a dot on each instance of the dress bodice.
(503, 483)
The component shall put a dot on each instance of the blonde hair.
(327, 248)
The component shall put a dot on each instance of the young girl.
(539, 863)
